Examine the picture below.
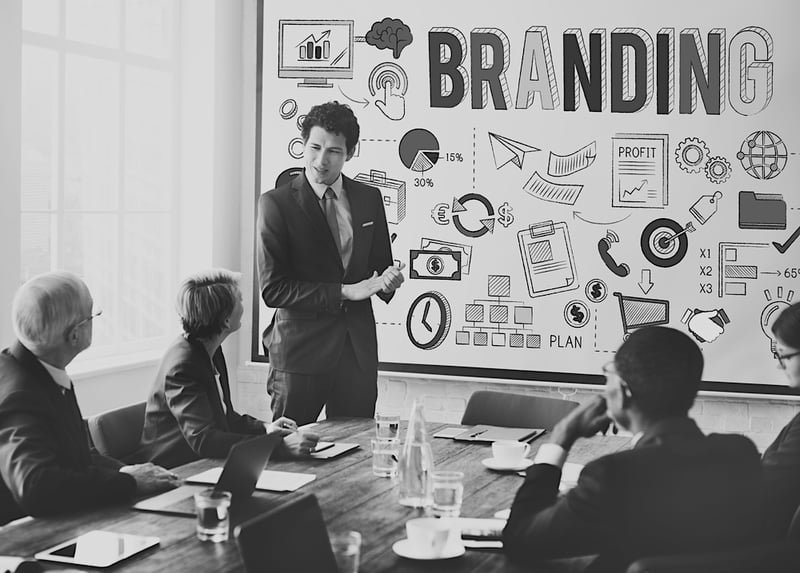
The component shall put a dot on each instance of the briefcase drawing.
(761, 210)
(393, 191)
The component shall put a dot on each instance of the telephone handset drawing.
(603, 246)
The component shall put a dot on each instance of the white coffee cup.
(510, 452)
(428, 536)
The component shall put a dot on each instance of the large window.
(99, 161)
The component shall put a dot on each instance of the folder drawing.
(761, 210)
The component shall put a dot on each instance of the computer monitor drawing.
(315, 51)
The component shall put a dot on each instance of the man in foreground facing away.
(675, 491)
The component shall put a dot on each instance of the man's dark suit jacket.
(46, 463)
(781, 463)
(676, 491)
(301, 273)
(184, 420)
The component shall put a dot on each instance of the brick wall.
(445, 400)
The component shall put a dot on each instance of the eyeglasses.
(92, 316)
(782, 358)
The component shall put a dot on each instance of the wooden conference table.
(350, 496)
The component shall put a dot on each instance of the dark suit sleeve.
(30, 467)
(380, 255)
(188, 401)
(781, 474)
(279, 289)
(545, 526)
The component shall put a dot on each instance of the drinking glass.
(346, 546)
(213, 516)
(387, 425)
(448, 493)
(385, 452)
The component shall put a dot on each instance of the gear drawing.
(691, 154)
(718, 170)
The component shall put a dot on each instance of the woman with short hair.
(189, 414)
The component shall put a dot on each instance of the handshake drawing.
(705, 325)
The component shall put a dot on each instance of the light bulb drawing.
(771, 311)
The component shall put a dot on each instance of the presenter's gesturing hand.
(393, 277)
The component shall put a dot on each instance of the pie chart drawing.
(419, 150)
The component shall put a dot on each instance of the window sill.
(83, 369)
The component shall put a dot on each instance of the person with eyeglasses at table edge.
(781, 460)
(675, 490)
(47, 465)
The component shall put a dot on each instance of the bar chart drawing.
(311, 48)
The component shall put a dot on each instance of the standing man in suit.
(46, 464)
(323, 251)
(677, 490)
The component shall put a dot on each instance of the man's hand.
(300, 443)
(584, 421)
(363, 289)
(393, 277)
(283, 426)
(151, 478)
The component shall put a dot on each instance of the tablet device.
(97, 548)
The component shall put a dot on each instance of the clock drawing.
(428, 320)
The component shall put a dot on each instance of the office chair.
(781, 556)
(515, 410)
(287, 539)
(116, 433)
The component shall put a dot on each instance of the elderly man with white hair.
(46, 463)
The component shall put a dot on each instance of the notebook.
(242, 469)
(486, 433)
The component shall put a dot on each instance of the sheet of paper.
(451, 432)
(270, 480)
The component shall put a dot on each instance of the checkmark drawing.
(783, 247)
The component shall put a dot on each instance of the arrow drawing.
(577, 215)
(507, 150)
(363, 102)
(645, 284)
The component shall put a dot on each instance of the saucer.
(404, 549)
(493, 464)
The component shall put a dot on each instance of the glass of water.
(385, 452)
(213, 517)
(387, 425)
(346, 546)
(448, 493)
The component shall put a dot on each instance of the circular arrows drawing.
(664, 242)
(487, 223)
(419, 150)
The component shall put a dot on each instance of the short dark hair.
(663, 368)
(334, 117)
(787, 326)
(205, 301)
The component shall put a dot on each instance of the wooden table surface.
(350, 497)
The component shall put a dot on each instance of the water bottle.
(415, 468)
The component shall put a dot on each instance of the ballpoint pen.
(478, 433)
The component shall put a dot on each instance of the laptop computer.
(243, 467)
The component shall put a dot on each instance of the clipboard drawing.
(547, 258)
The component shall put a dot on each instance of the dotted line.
(473, 159)
(595, 338)
(381, 140)
(390, 323)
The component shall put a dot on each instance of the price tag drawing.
(547, 258)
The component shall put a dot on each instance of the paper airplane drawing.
(506, 150)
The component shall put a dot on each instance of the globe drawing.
(763, 155)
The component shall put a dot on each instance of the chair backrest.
(287, 539)
(515, 410)
(116, 433)
(794, 528)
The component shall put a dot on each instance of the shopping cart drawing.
(637, 312)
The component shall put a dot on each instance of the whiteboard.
(556, 178)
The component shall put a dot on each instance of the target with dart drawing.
(664, 242)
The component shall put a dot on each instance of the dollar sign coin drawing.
(596, 290)
(576, 313)
(504, 214)
(435, 265)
